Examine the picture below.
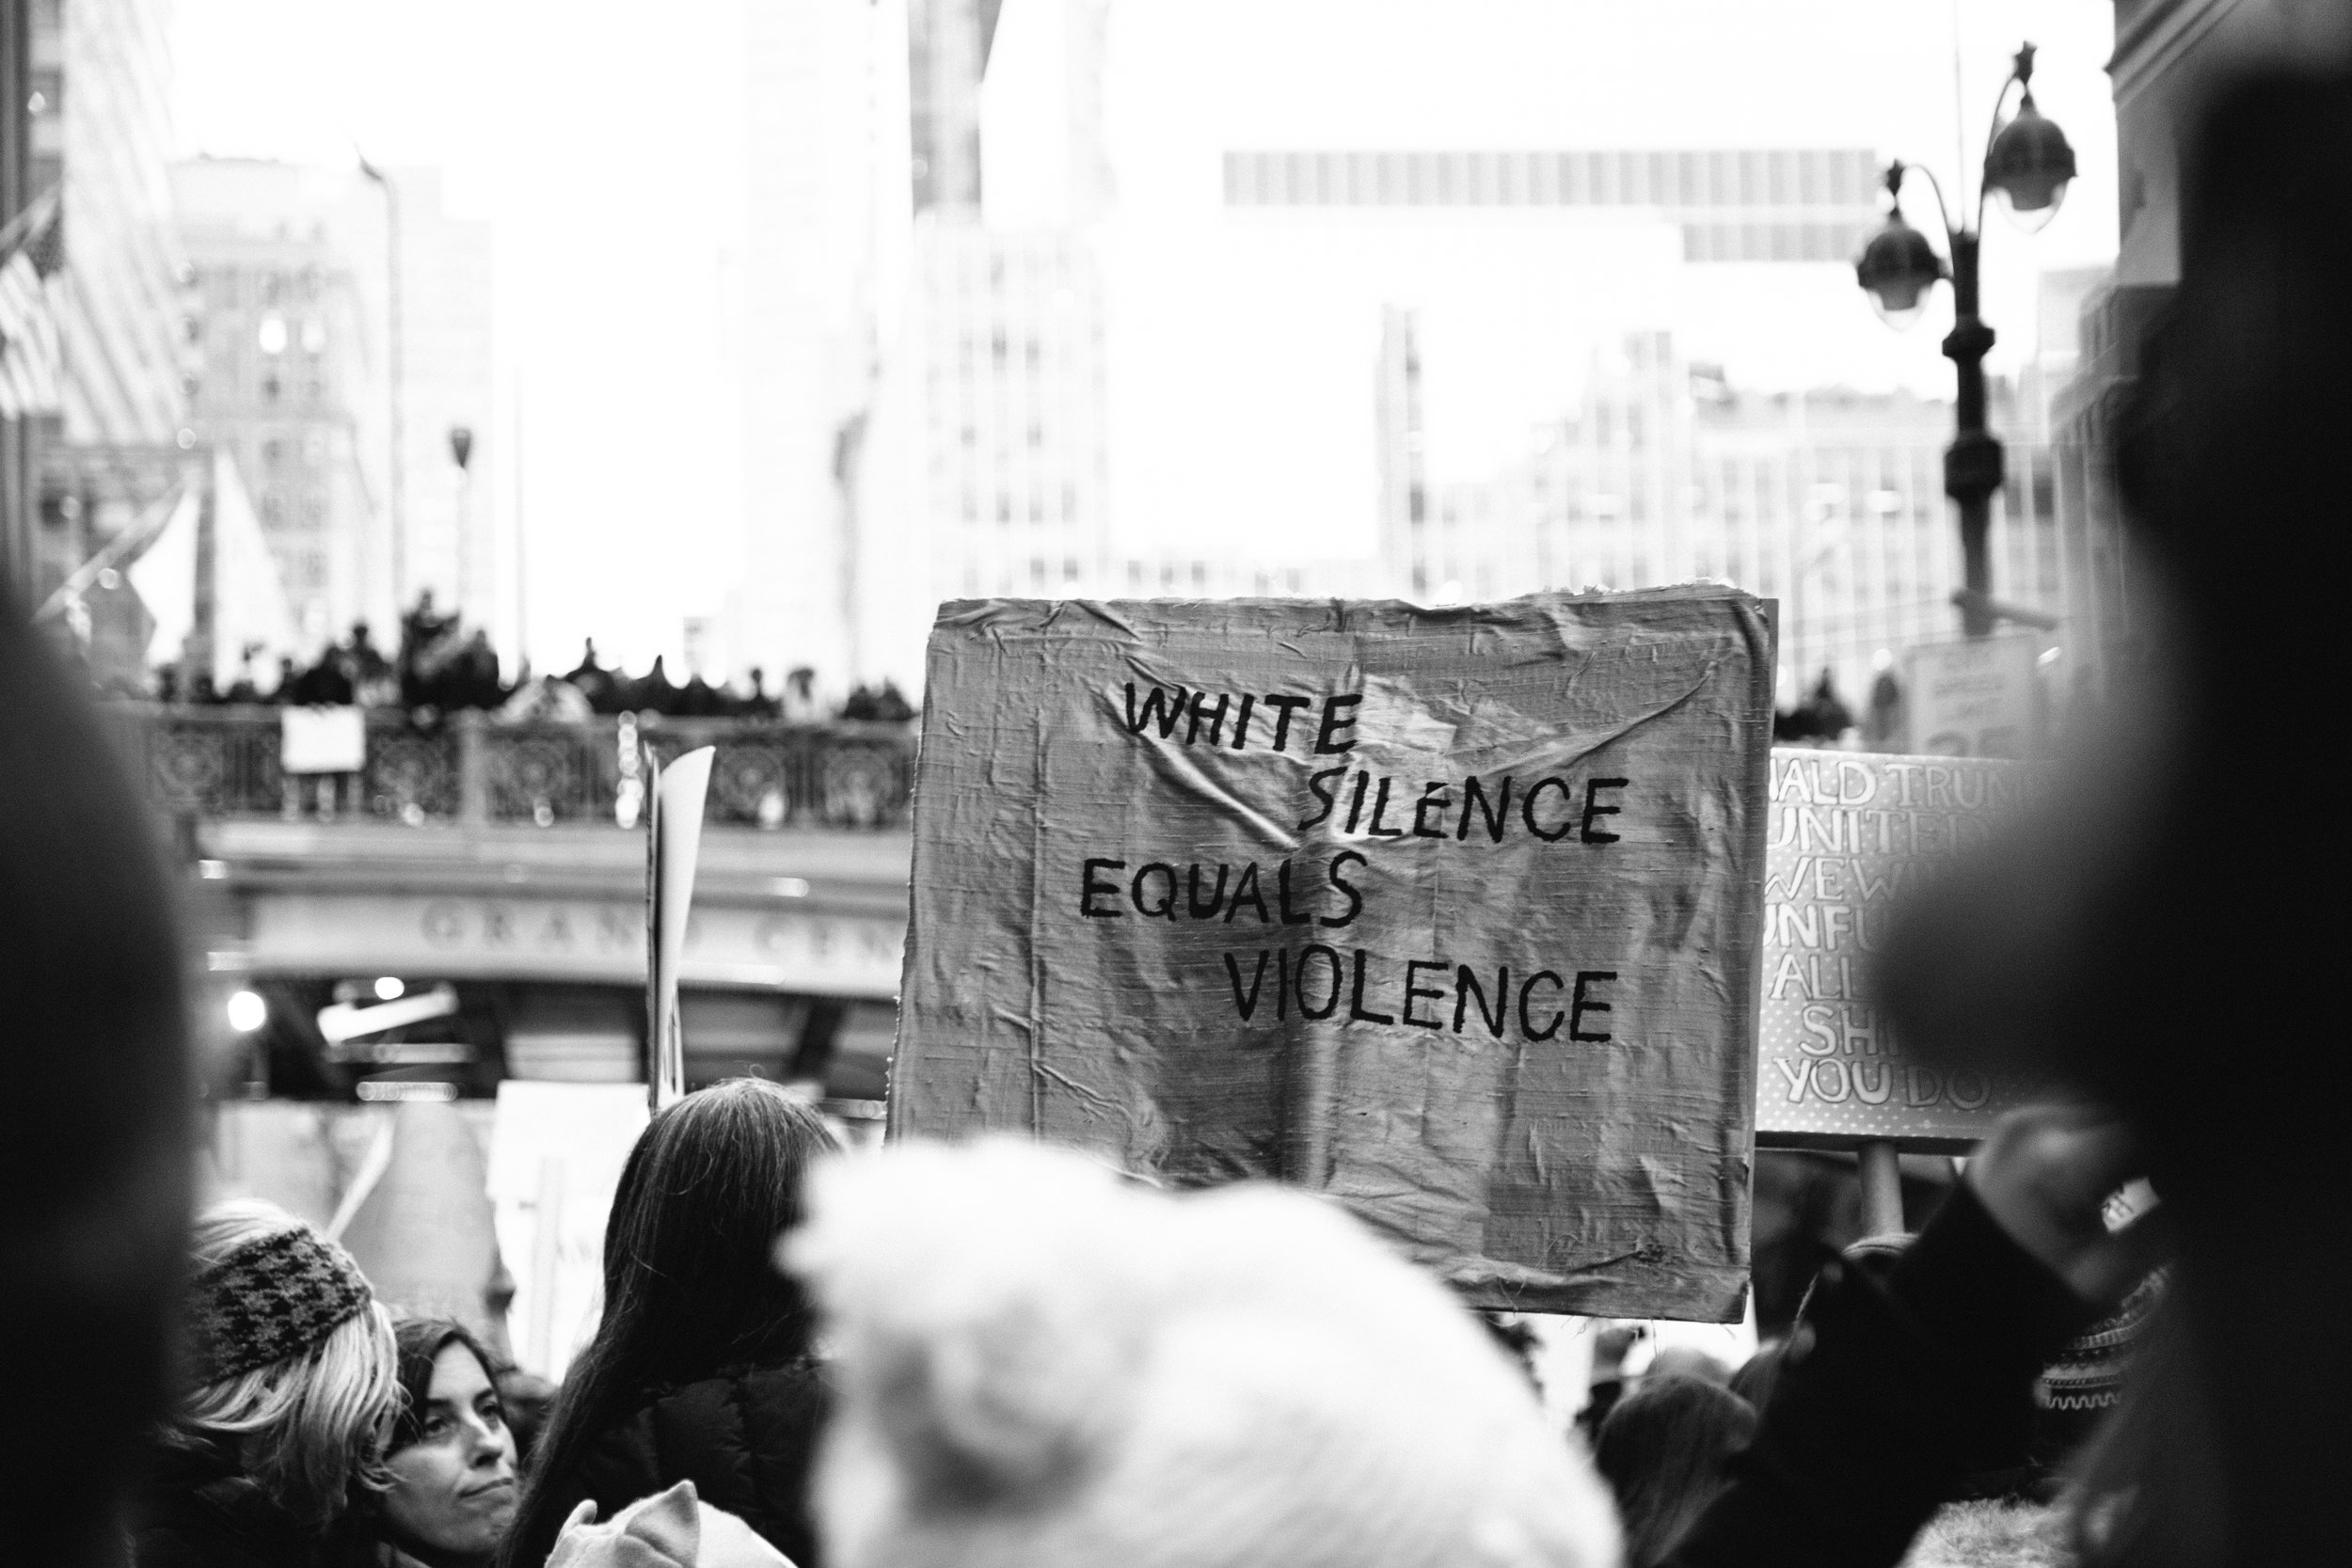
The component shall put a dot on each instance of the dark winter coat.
(199, 1510)
(1915, 1381)
(746, 1438)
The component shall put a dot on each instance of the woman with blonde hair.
(293, 1381)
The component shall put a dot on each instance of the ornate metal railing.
(470, 767)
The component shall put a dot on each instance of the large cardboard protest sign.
(1850, 834)
(1449, 913)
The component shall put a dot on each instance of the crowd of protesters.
(998, 1355)
(440, 667)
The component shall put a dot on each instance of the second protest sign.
(1451, 914)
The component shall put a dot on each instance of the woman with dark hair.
(1662, 1451)
(451, 1497)
(700, 1369)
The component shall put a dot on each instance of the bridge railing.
(471, 768)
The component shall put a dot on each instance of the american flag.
(30, 359)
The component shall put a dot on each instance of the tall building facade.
(1830, 501)
(295, 381)
(446, 383)
(95, 104)
(1008, 347)
(293, 378)
(948, 48)
(817, 79)
(1729, 204)
(2169, 54)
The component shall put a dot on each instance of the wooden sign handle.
(1882, 1188)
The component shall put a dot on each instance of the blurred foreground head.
(2167, 938)
(1041, 1367)
(93, 1117)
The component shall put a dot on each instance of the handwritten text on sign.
(1313, 976)
(1451, 914)
(1848, 834)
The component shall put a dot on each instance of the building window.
(313, 335)
(269, 388)
(273, 334)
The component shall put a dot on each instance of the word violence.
(1315, 979)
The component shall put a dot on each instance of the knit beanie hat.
(277, 1296)
(2085, 1380)
(1040, 1367)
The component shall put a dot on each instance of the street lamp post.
(2027, 165)
(395, 489)
(461, 452)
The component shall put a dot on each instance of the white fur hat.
(1040, 1367)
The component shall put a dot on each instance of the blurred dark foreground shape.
(93, 1120)
(2168, 937)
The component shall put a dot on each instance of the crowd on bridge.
(440, 667)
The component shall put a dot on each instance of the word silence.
(1447, 915)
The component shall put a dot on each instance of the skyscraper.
(445, 386)
(95, 100)
(295, 379)
(1829, 500)
(292, 383)
(2168, 55)
(817, 93)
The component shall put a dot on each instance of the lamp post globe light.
(2027, 166)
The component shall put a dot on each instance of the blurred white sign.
(556, 1153)
(1973, 699)
(321, 740)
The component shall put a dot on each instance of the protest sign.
(1850, 833)
(1449, 913)
(321, 740)
(673, 837)
(1973, 699)
(556, 1153)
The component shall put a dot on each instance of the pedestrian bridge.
(501, 868)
